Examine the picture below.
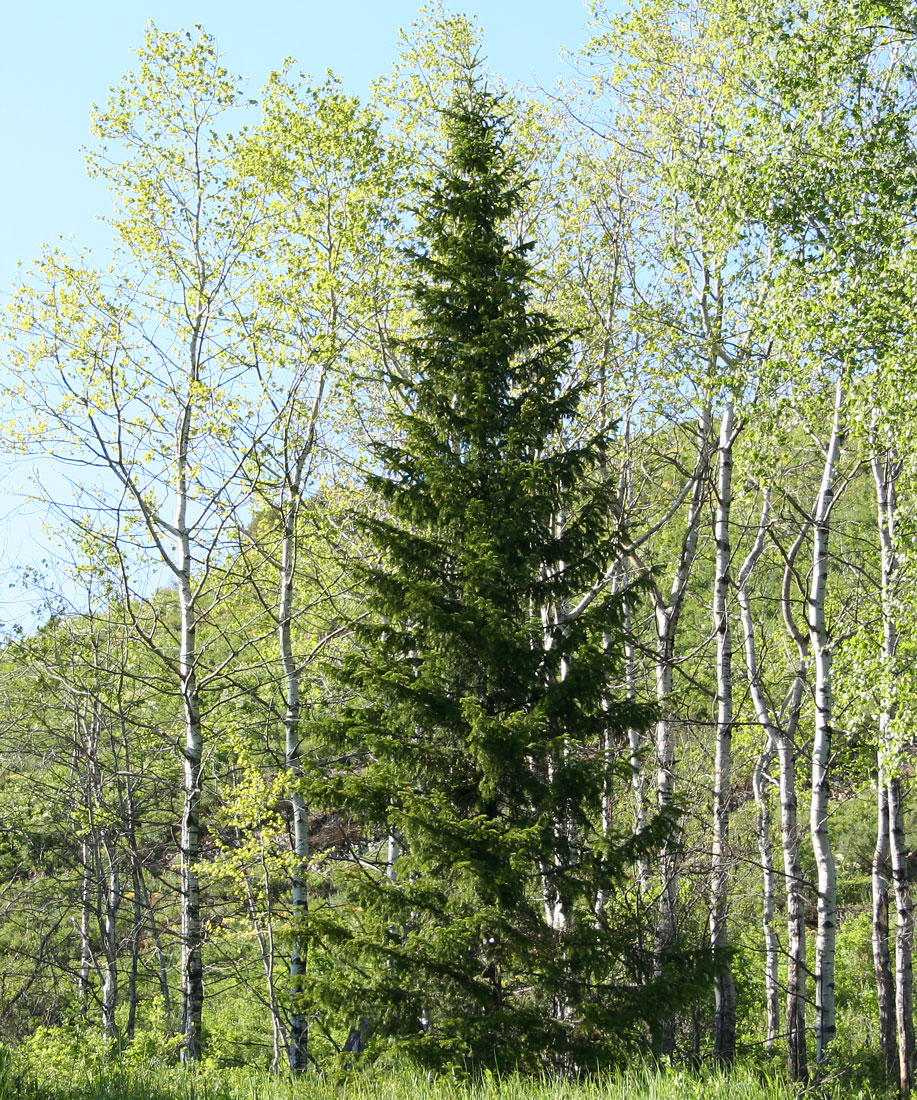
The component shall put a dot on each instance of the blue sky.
(57, 57)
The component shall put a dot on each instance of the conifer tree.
(462, 920)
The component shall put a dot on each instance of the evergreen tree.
(462, 923)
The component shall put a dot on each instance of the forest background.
(258, 802)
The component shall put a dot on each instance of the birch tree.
(761, 780)
(137, 375)
(699, 296)
(897, 1036)
(725, 1024)
(822, 651)
(321, 157)
(882, 681)
(92, 748)
(779, 723)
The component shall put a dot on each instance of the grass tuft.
(122, 1080)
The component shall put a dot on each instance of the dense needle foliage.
(470, 749)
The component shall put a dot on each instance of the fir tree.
(462, 925)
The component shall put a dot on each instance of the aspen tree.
(137, 374)
(895, 985)
(321, 158)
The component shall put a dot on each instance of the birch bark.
(885, 470)
(761, 781)
(291, 506)
(192, 968)
(822, 652)
(110, 942)
(882, 963)
(781, 735)
(797, 964)
(86, 882)
(725, 1009)
(667, 611)
(298, 1044)
(904, 939)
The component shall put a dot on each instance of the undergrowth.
(121, 1080)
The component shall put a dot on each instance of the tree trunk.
(885, 985)
(142, 909)
(797, 967)
(904, 939)
(558, 914)
(298, 1046)
(666, 926)
(133, 994)
(761, 780)
(294, 466)
(637, 770)
(192, 972)
(636, 750)
(822, 652)
(667, 613)
(86, 881)
(110, 945)
(885, 474)
(725, 1010)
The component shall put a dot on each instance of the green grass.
(121, 1081)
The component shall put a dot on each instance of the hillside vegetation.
(481, 642)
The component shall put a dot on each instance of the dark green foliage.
(472, 743)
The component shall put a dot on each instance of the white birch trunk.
(295, 471)
(557, 917)
(881, 955)
(665, 790)
(885, 475)
(133, 993)
(637, 770)
(782, 735)
(298, 1046)
(608, 755)
(822, 653)
(904, 939)
(797, 965)
(86, 881)
(192, 971)
(761, 781)
(110, 945)
(667, 613)
(725, 1008)
(86, 735)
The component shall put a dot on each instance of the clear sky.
(57, 57)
